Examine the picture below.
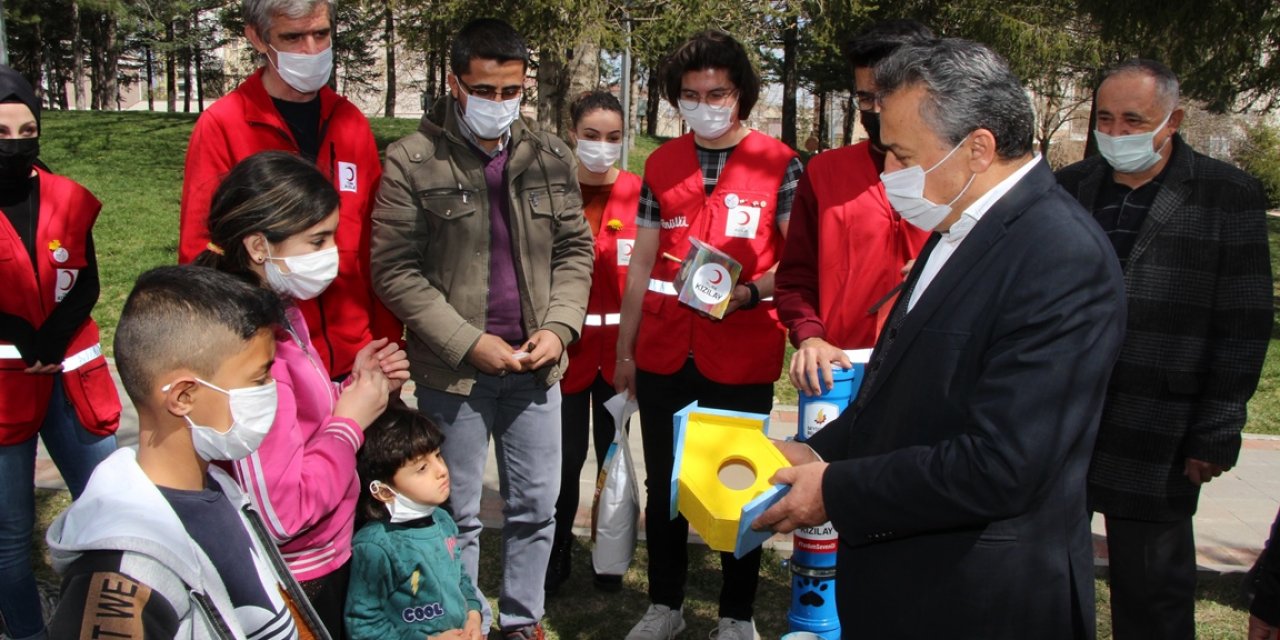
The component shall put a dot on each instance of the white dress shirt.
(952, 237)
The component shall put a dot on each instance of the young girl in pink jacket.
(272, 222)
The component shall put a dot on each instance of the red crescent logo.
(746, 218)
(351, 173)
(627, 249)
(718, 279)
(70, 279)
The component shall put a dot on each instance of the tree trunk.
(849, 111)
(110, 63)
(77, 57)
(790, 41)
(171, 69)
(95, 62)
(553, 81)
(186, 79)
(389, 43)
(584, 76)
(653, 101)
(199, 56)
(824, 124)
(151, 96)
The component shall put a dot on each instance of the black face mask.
(871, 122)
(17, 155)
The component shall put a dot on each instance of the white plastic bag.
(615, 513)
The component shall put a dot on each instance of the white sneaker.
(660, 622)
(731, 629)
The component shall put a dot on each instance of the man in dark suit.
(1191, 236)
(956, 480)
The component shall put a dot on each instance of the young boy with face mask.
(407, 577)
(162, 544)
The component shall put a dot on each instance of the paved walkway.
(1236, 510)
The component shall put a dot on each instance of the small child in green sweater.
(407, 579)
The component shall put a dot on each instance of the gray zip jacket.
(122, 510)
(430, 245)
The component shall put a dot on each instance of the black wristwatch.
(755, 296)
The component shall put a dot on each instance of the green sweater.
(407, 580)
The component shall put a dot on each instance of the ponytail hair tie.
(215, 248)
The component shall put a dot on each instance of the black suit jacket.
(957, 478)
(1200, 309)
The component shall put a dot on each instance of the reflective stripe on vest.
(73, 362)
(597, 320)
(660, 286)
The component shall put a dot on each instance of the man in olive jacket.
(1190, 234)
(480, 247)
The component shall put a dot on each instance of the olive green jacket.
(430, 245)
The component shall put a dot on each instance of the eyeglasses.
(689, 99)
(866, 100)
(485, 92)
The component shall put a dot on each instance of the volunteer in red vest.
(730, 187)
(847, 247)
(54, 380)
(609, 199)
(287, 105)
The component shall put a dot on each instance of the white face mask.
(905, 189)
(1132, 153)
(490, 120)
(309, 274)
(253, 410)
(305, 72)
(597, 155)
(709, 122)
(401, 508)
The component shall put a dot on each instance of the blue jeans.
(523, 417)
(76, 452)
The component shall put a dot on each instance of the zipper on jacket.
(293, 591)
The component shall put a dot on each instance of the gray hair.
(1166, 79)
(969, 87)
(260, 13)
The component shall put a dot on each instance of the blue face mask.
(1133, 153)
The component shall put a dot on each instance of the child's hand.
(472, 629)
(365, 398)
(394, 363)
(452, 634)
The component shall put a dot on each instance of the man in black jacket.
(956, 480)
(1190, 233)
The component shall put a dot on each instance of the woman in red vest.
(730, 187)
(54, 380)
(609, 199)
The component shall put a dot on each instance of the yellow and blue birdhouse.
(720, 478)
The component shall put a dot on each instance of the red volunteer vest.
(745, 347)
(596, 351)
(862, 243)
(67, 213)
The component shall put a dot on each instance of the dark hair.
(713, 50)
(592, 101)
(877, 41)
(968, 87)
(399, 435)
(487, 39)
(187, 317)
(275, 193)
(1166, 79)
